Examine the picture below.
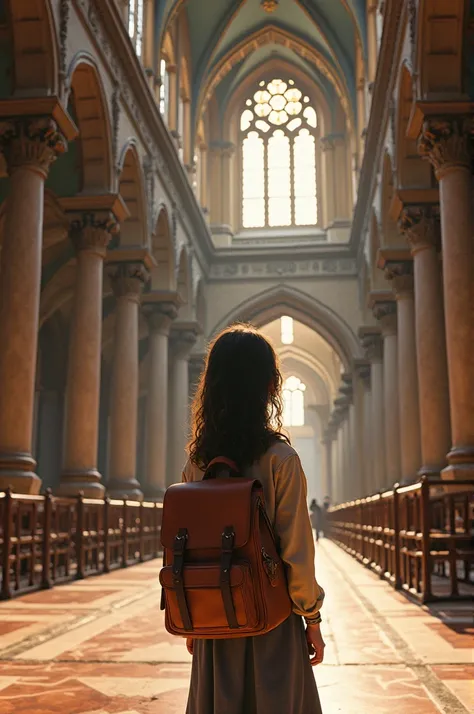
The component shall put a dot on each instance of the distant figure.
(316, 517)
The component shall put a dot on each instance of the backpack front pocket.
(205, 602)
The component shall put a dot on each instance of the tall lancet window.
(135, 24)
(293, 402)
(278, 133)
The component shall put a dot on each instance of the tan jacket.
(285, 488)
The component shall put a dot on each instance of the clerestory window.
(278, 139)
(135, 24)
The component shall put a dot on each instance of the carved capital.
(386, 314)
(447, 143)
(401, 277)
(362, 370)
(372, 346)
(182, 341)
(160, 316)
(421, 227)
(327, 143)
(31, 143)
(128, 279)
(93, 233)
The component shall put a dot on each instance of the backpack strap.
(228, 537)
(178, 565)
(222, 460)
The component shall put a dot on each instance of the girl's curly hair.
(237, 410)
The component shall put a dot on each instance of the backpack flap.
(205, 509)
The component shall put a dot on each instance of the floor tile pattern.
(98, 646)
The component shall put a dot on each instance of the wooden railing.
(46, 540)
(418, 537)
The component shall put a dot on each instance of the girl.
(237, 413)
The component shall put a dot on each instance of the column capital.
(127, 279)
(421, 227)
(401, 277)
(93, 232)
(32, 143)
(447, 143)
(183, 337)
(362, 370)
(160, 315)
(371, 341)
(386, 314)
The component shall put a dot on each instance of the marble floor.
(98, 646)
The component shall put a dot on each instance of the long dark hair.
(237, 410)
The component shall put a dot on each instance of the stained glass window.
(279, 184)
(135, 24)
(293, 402)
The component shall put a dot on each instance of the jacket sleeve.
(295, 535)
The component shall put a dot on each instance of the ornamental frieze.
(281, 268)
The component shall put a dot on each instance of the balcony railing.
(418, 537)
(47, 540)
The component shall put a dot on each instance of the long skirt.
(269, 674)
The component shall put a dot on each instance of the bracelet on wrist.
(313, 620)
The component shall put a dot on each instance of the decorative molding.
(447, 143)
(115, 124)
(31, 142)
(64, 11)
(421, 227)
(325, 267)
(149, 174)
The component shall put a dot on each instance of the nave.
(98, 646)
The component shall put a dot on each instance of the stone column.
(401, 275)
(421, 228)
(182, 340)
(368, 475)
(447, 143)
(361, 375)
(30, 147)
(228, 151)
(329, 207)
(328, 447)
(160, 317)
(127, 281)
(372, 342)
(386, 314)
(90, 236)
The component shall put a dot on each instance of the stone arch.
(271, 34)
(184, 284)
(133, 232)
(389, 236)
(270, 304)
(412, 171)
(34, 46)
(92, 117)
(163, 274)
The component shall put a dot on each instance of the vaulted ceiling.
(230, 38)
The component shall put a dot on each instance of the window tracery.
(278, 134)
(293, 402)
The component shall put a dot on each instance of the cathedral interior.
(168, 168)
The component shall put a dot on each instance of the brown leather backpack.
(222, 575)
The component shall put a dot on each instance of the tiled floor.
(99, 647)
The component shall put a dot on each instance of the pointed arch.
(163, 274)
(90, 110)
(269, 305)
(132, 190)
